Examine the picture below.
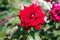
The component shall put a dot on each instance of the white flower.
(45, 5)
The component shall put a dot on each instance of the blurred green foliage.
(9, 29)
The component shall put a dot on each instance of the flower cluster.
(33, 16)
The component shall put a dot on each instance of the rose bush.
(32, 16)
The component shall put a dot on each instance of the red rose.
(48, 0)
(32, 16)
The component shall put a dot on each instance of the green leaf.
(11, 30)
(57, 25)
(58, 38)
(47, 27)
(14, 20)
(17, 0)
(56, 32)
(1, 38)
(3, 15)
(29, 37)
(58, 0)
(2, 33)
(26, 2)
(51, 23)
(1, 27)
(37, 37)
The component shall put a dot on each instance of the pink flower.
(55, 12)
(32, 16)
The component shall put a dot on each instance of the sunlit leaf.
(29, 37)
(37, 37)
